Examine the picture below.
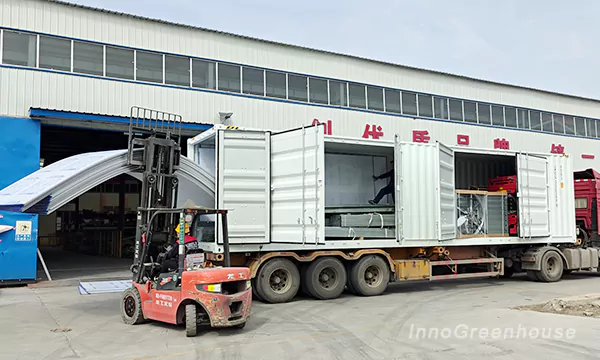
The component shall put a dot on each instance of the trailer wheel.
(370, 276)
(278, 281)
(191, 320)
(326, 278)
(304, 280)
(255, 294)
(508, 272)
(551, 267)
(351, 288)
(131, 307)
(532, 275)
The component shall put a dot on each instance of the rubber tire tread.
(532, 275)
(255, 292)
(312, 273)
(357, 276)
(304, 280)
(191, 320)
(351, 288)
(262, 281)
(138, 316)
(508, 272)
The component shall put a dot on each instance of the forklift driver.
(171, 259)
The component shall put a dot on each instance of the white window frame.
(1, 46)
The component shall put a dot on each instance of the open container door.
(297, 186)
(425, 195)
(532, 184)
(243, 181)
(447, 193)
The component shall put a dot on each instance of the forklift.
(172, 281)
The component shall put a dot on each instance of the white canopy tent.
(51, 187)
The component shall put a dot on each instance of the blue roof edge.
(61, 114)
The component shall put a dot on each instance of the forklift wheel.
(131, 307)
(240, 326)
(191, 320)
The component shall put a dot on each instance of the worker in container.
(386, 190)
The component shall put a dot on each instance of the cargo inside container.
(349, 185)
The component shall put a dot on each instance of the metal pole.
(181, 241)
(226, 259)
(44, 264)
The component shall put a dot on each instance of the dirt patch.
(583, 306)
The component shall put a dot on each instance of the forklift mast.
(154, 150)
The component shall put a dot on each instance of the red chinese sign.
(462, 140)
(501, 144)
(326, 126)
(421, 136)
(373, 132)
(557, 149)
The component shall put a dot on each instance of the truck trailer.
(301, 221)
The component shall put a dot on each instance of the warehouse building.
(69, 76)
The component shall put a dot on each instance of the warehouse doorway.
(91, 237)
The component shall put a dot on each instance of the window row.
(54, 53)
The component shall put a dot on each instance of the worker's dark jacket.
(389, 174)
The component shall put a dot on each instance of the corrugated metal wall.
(419, 197)
(23, 89)
(47, 17)
(561, 197)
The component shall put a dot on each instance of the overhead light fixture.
(223, 116)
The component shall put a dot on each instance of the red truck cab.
(587, 193)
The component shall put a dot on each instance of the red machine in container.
(587, 193)
(508, 184)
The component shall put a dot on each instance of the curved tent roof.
(51, 187)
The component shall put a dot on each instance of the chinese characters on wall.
(376, 132)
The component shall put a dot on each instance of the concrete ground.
(58, 323)
(69, 266)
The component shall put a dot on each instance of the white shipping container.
(279, 186)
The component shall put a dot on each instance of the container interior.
(486, 199)
(349, 185)
(349, 171)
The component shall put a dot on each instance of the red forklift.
(172, 280)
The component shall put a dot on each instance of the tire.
(326, 278)
(191, 320)
(551, 267)
(532, 275)
(240, 326)
(349, 286)
(585, 238)
(131, 307)
(304, 280)
(377, 271)
(255, 293)
(508, 272)
(278, 281)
